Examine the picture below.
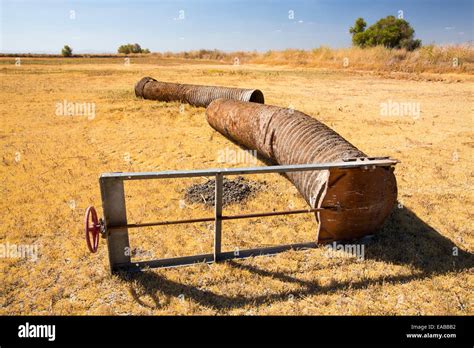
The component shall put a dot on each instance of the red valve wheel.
(92, 229)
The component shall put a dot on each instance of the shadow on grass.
(404, 240)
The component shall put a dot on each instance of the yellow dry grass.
(50, 161)
(457, 59)
(429, 58)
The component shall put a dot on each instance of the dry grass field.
(421, 262)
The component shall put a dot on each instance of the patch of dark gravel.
(234, 191)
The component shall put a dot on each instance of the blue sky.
(101, 26)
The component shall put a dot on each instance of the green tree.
(359, 26)
(124, 49)
(136, 48)
(66, 51)
(132, 48)
(390, 32)
(357, 31)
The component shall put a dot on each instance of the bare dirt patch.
(233, 191)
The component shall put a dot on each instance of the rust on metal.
(362, 198)
(196, 95)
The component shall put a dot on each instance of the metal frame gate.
(115, 215)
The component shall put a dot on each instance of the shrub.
(132, 48)
(66, 51)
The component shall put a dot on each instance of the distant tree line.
(132, 48)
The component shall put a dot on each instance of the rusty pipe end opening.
(257, 97)
(141, 84)
(364, 199)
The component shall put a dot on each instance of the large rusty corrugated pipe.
(358, 200)
(196, 95)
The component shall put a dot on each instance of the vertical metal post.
(218, 217)
(115, 214)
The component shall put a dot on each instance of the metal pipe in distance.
(149, 88)
(364, 197)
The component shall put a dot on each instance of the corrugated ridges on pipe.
(196, 95)
(360, 199)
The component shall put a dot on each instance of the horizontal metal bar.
(273, 213)
(224, 217)
(350, 164)
(209, 258)
(162, 223)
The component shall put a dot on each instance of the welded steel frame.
(115, 214)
